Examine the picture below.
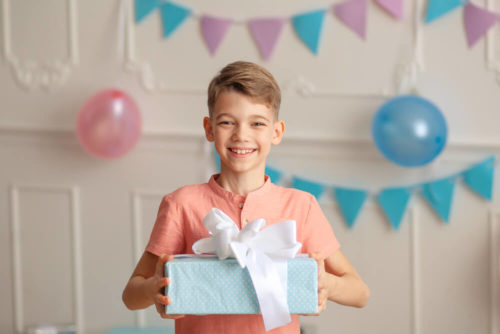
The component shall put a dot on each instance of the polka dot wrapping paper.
(201, 285)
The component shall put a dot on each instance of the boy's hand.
(157, 284)
(322, 283)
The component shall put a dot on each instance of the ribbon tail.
(205, 245)
(266, 281)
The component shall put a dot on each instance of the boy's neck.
(241, 184)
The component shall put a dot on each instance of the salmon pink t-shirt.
(179, 225)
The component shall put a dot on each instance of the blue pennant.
(274, 174)
(308, 26)
(144, 7)
(172, 16)
(350, 202)
(480, 178)
(437, 8)
(314, 188)
(439, 194)
(394, 201)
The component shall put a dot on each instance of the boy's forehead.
(228, 103)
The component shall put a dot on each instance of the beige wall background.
(72, 226)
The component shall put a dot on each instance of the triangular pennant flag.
(353, 14)
(213, 30)
(144, 7)
(477, 22)
(350, 202)
(266, 33)
(394, 201)
(393, 7)
(437, 8)
(314, 188)
(308, 27)
(274, 174)
(480, 178)
(172, 16)
(439, 195)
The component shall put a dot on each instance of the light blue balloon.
(409, 130)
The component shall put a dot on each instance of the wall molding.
(138, 237)
(494, 245)
(415, 306)
(77, 273)
(46, 75)
(492, 64)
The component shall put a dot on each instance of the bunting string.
(308, 26)
(394, 200)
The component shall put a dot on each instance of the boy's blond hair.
(249, 79)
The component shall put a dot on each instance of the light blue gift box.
(201, 285)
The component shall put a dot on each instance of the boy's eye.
(224, 123)
(259, 124)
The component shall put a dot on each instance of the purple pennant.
(266, 33)
(477, 22)
(393, 7)
(214, 29)
(353, 14)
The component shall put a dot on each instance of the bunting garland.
(393, 7)
(309, 25)
(266, 33)
(437, 8)
(477, 22)
(213, 30)
(394, 201)
(353, 14)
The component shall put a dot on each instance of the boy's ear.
(279, 129)
(209, 131)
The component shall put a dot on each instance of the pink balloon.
(109, 124)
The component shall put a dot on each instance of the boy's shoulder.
(188, 192)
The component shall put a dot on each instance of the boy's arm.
(339, 282)
(146, 284)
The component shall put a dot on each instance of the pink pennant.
(266, 33)
(477, 22)
(213, 30)
(353, 14)
(393, 7)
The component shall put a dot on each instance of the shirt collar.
(232, 196)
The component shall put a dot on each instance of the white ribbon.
(264, 253)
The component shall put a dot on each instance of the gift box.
(207, 285)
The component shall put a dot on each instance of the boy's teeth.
(241, 151)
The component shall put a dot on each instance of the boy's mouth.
(241, 151)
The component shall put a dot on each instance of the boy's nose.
(240, 133)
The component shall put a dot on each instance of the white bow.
(264, 253)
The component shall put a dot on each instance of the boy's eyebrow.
(221, 115)
(261, 117)
(251, 116)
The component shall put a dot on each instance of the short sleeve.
(167, 236)
(318, 235)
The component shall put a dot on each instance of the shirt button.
(240, 205)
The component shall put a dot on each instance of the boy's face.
(243, 131)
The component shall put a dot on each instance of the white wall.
(71, 226)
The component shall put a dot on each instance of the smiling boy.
(243, 103)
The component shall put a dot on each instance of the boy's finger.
(160, 308)
(163, 282)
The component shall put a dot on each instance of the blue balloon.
(409, 130)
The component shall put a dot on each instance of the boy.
(243, 104)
